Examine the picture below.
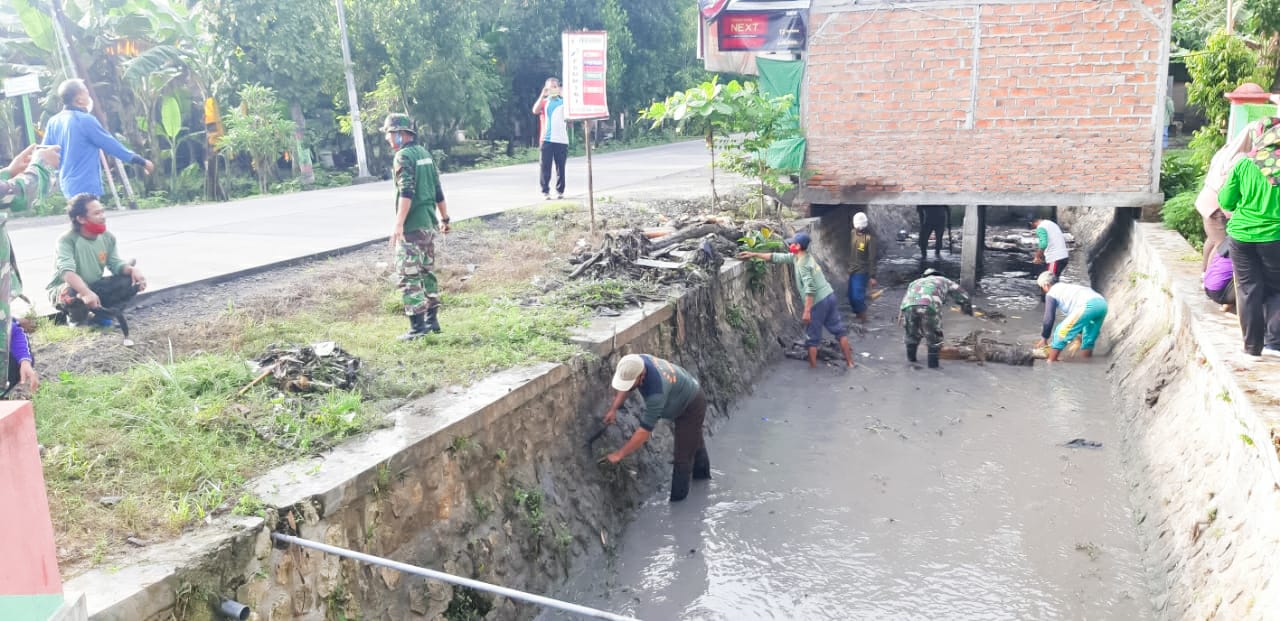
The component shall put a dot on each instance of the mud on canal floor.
(897, 492)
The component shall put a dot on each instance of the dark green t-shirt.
(666, 390)
(418, 180)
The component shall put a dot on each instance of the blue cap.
(801, 238)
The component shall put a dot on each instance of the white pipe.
(452, 579)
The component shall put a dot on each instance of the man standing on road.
(862, 267)
(82, 255)
(418, 197)
(670, 393)
(935, 220)
(553, 131)
(81, 136)
(820, 307)
(24, 181)
(1051, 246)
(1084, 308)
(922, 312)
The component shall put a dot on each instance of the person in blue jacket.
(81, 136)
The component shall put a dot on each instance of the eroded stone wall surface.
(514, 496)
(1201, 421)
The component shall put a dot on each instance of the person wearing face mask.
(820, 307)
(553, 132)
(83, 253)
(81, 136)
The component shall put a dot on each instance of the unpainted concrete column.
(975, 234)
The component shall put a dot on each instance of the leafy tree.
(738, 118)
(259, 129)
(1225, 64)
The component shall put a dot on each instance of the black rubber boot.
(912, 348)
(679, 484)
(933, 355)
(701, 465)
(432, 323)
(417, 328)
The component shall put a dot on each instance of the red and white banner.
(585, 62)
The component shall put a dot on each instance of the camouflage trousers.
(922, 323)
(415, 256)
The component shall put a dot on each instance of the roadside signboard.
(585, 65)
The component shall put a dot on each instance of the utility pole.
(353, 101)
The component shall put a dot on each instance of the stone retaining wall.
(1201, 419)
(495, 483)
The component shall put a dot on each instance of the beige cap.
(629, 368)
(1046, 279)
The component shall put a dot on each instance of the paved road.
(181, 245)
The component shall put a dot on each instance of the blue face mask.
(398, 139)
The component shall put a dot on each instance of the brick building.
(985, 103)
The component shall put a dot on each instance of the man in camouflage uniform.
(418, 196)
(24, 181)
(921, 312)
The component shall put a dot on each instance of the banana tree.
(171, 123)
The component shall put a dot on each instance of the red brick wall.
(1066, 97)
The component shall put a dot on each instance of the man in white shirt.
(1051, 246)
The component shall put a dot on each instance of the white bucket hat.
(860, 220)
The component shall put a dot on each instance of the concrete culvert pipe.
(232, 609)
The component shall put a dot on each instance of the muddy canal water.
(896, 492)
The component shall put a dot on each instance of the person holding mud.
(82, 253)
(820, 307)
(669, 393)
(862, 265)
(921, 312)
(418, 197)
(1084, 308)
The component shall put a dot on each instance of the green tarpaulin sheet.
(781, 77)
(778, 78)
(786, 154)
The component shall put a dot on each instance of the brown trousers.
(689, 433)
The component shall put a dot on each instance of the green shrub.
(1179, 173)
(1179, 213)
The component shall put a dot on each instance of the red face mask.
(93, 228)
(794, 248)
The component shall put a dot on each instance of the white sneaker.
(1267, 352)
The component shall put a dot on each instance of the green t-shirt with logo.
(418, 180)
(86, 257)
